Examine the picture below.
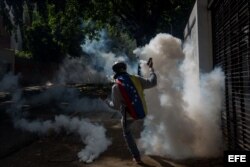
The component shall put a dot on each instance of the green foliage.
(141, 19)
(24, 54)
(40, 42)
(67, 29)
(122, 42)
(52, 29)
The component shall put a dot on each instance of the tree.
(62, 23)
(40, 43)
(67, 27)
(53, 31)
(142, 19)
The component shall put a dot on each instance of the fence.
(231, 50)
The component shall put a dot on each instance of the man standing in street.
(127, 96)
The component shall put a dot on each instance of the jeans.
(126, 124)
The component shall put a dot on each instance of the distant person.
(127, 96)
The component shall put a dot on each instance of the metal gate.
(231, 50)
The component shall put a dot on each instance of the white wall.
(16, 40)
(198, 31)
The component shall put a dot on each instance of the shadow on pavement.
(161, 161)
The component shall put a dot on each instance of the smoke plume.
(96, 65)
(59, 95)
(9, 82)
(184, 108)
(92, 135)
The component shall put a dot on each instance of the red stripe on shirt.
(127, 100)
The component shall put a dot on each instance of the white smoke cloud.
(71, 97)
(96, 66)
(9, 82)
(78, 70)
(184, 108)
(92, 135)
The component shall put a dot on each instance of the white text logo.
(237, 158)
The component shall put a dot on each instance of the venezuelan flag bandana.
(132, 92)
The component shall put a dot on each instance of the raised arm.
(149, 82)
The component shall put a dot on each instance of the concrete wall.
(7, 58)
(191, 33)
(198, 31)
(16, 40)
(4, 36)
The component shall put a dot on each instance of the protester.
(127, 96)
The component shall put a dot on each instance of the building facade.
(219, 31)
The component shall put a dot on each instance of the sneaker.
(138, 160)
